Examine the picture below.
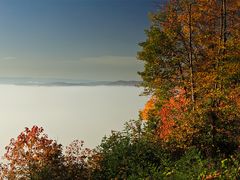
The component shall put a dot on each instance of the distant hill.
(64, 82)
(97, 83)
(124, 83)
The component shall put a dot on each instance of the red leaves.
(32, 146)
(75, 154)
(32, 154)
(171, 111)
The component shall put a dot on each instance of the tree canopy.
(192, 68)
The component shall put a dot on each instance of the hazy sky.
(76, 39)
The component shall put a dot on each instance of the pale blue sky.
(75, 39)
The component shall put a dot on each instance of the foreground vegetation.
(189, 128)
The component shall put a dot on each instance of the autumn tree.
(33, 156)
(76, 160)
(194, 46)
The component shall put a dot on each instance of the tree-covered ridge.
(189, 128)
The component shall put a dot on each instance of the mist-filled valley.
(67, 112)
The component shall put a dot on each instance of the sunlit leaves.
(31, 153)
(194, 45)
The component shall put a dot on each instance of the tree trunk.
(191, 56)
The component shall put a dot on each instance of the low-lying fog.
(67, 113)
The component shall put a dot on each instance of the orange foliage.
(32, 149)
(171, 111)
(149, 108)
